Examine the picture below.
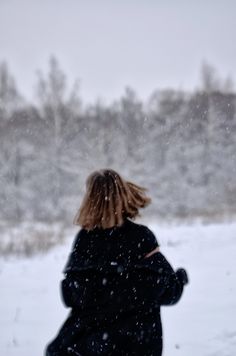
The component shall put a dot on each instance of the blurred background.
(146, 88)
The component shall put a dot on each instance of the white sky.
(109, 44)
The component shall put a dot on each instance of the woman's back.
(103, 262)
(113, 290)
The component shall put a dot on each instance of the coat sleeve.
(70, 291)
(170, 284)
(173, 286)
(69, 287)
(173, 290)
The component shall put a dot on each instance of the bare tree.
(9, 95)
(210, 81)
(58, 108)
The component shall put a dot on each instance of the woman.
(116, 278)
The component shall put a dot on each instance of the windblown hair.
(108, 200)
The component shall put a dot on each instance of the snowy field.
(203, 323)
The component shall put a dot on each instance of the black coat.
(115, 294)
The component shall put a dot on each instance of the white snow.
(201, 324)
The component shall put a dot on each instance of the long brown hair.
(108, 200)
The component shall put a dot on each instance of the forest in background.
(180, 145)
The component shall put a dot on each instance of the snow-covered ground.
(203, 323)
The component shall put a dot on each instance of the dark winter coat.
(115, 294)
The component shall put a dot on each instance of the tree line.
(180, 145)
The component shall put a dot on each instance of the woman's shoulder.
(80, 238)
(144, 236)
(140, 227)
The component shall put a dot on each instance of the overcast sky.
(109, 44)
